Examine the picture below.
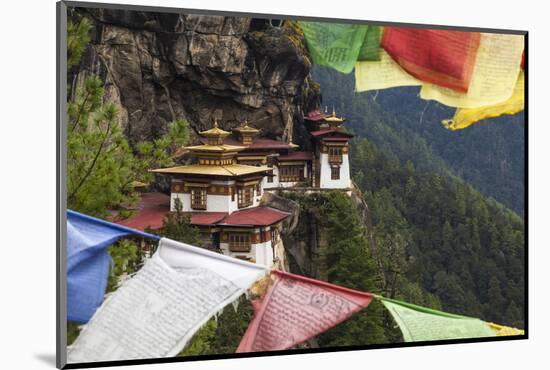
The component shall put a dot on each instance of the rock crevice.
(158, 67)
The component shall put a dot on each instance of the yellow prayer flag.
(504, 330)
(465, 117)
(494, 76)
(382, 74)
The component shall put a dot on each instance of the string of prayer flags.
(370, 50)
(88, 262)
(157, 311)
(501, 330)
(335, 45)
(296, 309)
(465, 117)
(383, 74)
(440, 57)
(494, 75)
(423, 324)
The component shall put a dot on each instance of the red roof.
(296, 156)
(259, 144)
(207, 218)
(331, 131)
(257, 216)
(315, 116)
(153, 207)
(151, 211)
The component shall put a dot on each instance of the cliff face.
(159, 67)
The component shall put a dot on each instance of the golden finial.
(215, 123)
(333, 111)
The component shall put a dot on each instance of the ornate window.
(335, 173)
(335, 154)
(291, 173)
(198, 198)
(244, 196)
(239, 242)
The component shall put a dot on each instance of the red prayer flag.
(296, 309)
(523, 60)
(444, 58)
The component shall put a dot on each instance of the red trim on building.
(153, 207)
(315, 116)
(206, 218)
(259, 144)
(150, 213)
(331, 131)
(296, 156)
(257, 216)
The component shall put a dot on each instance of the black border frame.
(61, 83)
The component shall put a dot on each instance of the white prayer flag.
(156, 312)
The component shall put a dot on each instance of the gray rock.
(159, 67)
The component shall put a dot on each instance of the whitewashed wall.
(345, 179)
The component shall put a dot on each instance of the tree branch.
(89, 171)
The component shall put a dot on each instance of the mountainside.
(160, 67)
(421, 225)
(490, 156)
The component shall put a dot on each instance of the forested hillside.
(440, 235)
(405, 127)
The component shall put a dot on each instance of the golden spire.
(333, 119)
(245, 128)
(215, 135)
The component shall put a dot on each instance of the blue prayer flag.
(88, 262)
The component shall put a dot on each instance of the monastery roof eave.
(210, 170)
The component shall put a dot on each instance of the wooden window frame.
(291, 173)
(245, 196)
(335, 173)
(239, 242)
(335, 154)
(200, 203)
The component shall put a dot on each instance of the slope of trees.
(489, 156)
(440, 235)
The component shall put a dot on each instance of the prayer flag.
(370, 50)
(423, 324)
(494, 76)
(382, 74)
(444, 58)
(465, 117)
(505, 330)
(335, 45)
(156, 312)
(88, 262)
(296, 309)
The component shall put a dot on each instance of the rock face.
(159, 67)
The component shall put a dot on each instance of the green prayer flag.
(334, 45)
(423, 324)
(370, 50)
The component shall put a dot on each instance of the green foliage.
(490, 156)
(177, 226)
(223, 334)
(78, 37)
(200, 344)
(441, 243)
(232, 325)
(101, 163)
(73, 330)
(126, 259)
(344, 259)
